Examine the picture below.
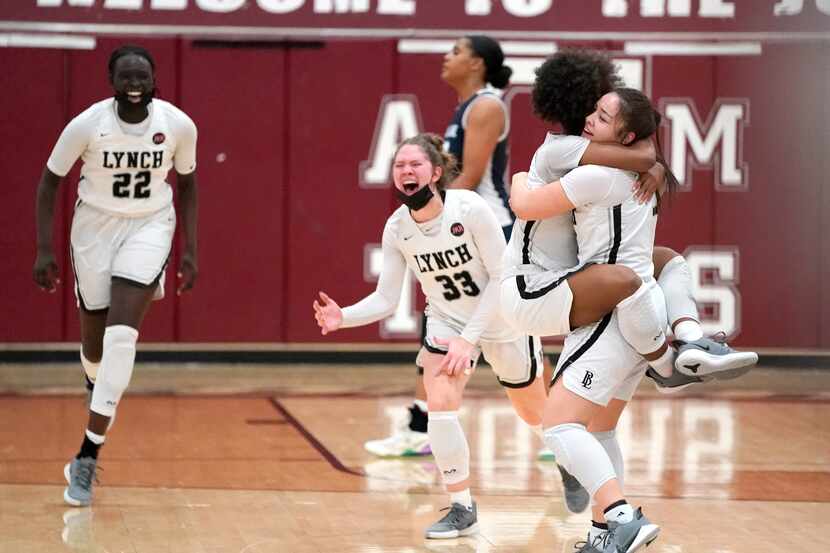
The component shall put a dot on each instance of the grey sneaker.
(576, 497)
(589, 545)
(629, 537)
(79, 473)
(460, 521)
(676, 382)
(713, 357)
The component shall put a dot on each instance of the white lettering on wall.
(123, 4)
(526, 8)
(404, 321)
(720, 291)
(280, 6)
(722, 132)
(399, 118)
(716, 8)
(477, 7)
(341, 6)
(168, 4)
(220, 6)
(396, 7)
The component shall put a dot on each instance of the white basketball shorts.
(517, 363)
(598, 364)
(103, 246)
(537, 310)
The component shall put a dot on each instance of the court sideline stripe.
(314, 442)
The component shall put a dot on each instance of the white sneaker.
(404, 443)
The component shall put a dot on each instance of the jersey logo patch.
(158, 138)
(457, 229)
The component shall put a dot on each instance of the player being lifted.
(453, 243)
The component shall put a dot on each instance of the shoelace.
(599, 542)
(454, 514)
(86, 473)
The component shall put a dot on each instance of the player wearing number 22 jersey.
(125, 166)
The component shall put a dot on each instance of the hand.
(188, 271)
(649, 183)
(45, 271)
(458, 359)
(328, 314)
(519, 183)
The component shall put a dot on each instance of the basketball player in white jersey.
(122, 232)
(477, 136)
(543, 293)
(601, 364)
(452, 242)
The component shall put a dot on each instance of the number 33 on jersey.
(453, 256)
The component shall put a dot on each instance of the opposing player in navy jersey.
(453, 243)
(122, 232)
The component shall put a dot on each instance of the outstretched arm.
(376, 306)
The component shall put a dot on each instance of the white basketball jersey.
(611, 226)
(124, 173)
(548, 245)
(449, 259)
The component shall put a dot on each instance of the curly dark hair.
(569, 84)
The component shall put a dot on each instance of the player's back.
(617, 229)
(547, 246)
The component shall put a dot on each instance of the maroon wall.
(284, 127)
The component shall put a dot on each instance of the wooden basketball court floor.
(211, 458)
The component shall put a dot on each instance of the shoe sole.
(472, 529)
(709, 364)
(68, 499)
(647, 534)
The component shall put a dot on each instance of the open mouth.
(134, 96)
(410, 186)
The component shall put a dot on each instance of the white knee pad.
(642, 322)
(579, 452)
(676, 282)
(90, 368)
(449, 446)
(608, 441)
(116, 368)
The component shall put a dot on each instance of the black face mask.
(124, 102)
(417, 200)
